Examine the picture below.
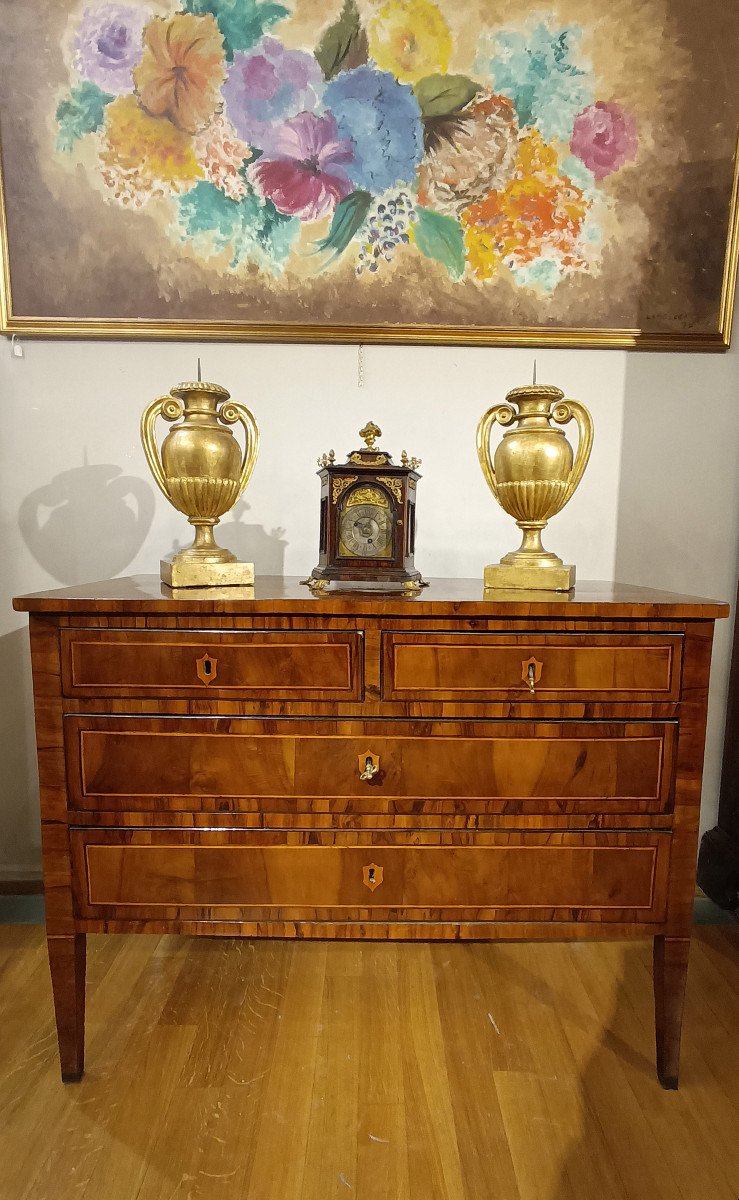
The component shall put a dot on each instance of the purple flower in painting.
(266, 86)
(383, 120)
(304, 175)
(109, 44)
(604, 138)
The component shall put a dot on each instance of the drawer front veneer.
(480, 666)
(601, 876)
(202, 764)
(304, 665)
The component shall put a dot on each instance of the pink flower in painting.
(304, 173)
(604, 138)
(221, 154)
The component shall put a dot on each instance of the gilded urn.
(532, 475)
(202, 471)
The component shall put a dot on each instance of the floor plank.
(317, 1071)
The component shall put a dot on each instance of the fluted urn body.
(532, 475)
(202, 471)
(201, 458)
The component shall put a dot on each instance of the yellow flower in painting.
(535, 156)
(143, 156)
(481, 250)
(182, 69)
(539, 214)
(411, 39)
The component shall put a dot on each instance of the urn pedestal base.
(515, 577)
(189, 573)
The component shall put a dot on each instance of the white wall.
(678, 513)
(76, 496)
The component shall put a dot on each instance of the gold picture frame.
(127, 280)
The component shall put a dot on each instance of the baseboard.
(20, 880)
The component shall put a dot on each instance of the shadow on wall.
(250, 543)
(87, 523)
(19, 829)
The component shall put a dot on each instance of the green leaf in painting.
(344, 44)
(440, 238)
(440, 95)
(81, 112)
(242, 22)
(250, 229)
(347, 220)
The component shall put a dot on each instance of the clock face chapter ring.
(365, 531)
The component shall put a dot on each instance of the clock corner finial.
(370, 433)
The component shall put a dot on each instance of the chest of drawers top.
(464, 598)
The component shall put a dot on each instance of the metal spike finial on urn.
(532, 476)
(202, 471)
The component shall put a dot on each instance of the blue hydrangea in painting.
(376, 140)
(382, 119)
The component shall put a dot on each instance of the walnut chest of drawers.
(442, 766)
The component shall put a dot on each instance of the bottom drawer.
(230, 874)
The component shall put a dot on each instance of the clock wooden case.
(368, 518)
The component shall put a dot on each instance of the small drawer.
(205, 764)
(557, 667)
(233, 874)
(301, 665)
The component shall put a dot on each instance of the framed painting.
(465, 171)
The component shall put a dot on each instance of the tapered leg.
(67, 962)
(670, 974)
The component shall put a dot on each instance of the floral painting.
(400, 169)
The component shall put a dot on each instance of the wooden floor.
(295, 1071)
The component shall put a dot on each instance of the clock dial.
(366, 531)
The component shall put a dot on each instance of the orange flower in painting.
(182, 69)
(538, 214)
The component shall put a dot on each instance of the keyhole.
(371, 874)
(207, 669)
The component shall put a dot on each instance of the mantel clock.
(368, 518)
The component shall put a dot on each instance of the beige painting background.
(74, 254)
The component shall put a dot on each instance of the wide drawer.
(206, 764)
(525, 876)
(481, 666)
(300, 665)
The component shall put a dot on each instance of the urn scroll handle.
(562, 412)
(504, 415)
(170, 409)
(230, 413)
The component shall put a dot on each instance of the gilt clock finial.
(370, 433)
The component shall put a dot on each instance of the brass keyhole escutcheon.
(372, 876)
(207, 669)
(369, 765)
(531, 670)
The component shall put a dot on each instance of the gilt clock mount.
(368, 519)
